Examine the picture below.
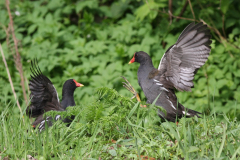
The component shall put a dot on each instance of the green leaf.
(193, 149)
(133, 109)
(89, 3)
(112, 152)
(237, 95)
(237, 73)
(224, 5)
(148, 8)
(32, 28)
(218, 129)
(221, 83)
(142, 12)
(118, 8)
(49, 18)
(230, 22)
(219, 74)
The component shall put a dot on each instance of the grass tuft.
(114, 127)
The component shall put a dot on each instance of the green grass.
(137, 131)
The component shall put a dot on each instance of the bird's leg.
(129, 87)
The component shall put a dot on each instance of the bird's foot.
(129, 87)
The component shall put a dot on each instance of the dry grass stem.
(170, 9)
(191, 9)
(10, 79)
(17, 57)
(183, 10)
(189, 19)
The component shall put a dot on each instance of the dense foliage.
(92, 42)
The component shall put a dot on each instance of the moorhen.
(44, 97)
(177, 68)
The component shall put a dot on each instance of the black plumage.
(44, 97)
(177, 68)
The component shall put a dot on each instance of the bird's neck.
(146, 67)
(67, 99)
(143, 71)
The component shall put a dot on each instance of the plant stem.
(17, 57)
(10, 79)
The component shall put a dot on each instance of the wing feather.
(187, 38)
(43, 95)
(181, 61)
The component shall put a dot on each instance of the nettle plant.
(92, 42)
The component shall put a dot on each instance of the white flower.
(17, 13)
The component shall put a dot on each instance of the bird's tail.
(33, 111)
(190, 113)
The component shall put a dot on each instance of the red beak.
(132, 60)
(78, 84)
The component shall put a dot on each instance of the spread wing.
(43, 95)
(181, 61)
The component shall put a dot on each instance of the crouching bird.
(44, 97)
(177, 68)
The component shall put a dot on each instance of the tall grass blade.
(235, 153)
(133, 109)
(223, 141)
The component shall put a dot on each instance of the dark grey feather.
(183, 59)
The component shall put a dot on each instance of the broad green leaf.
(193, 149)
(147, 8)
(221, 83)
(32, 28)
(113, 152)
(118, 8)
(224, 5)
(82, 4)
